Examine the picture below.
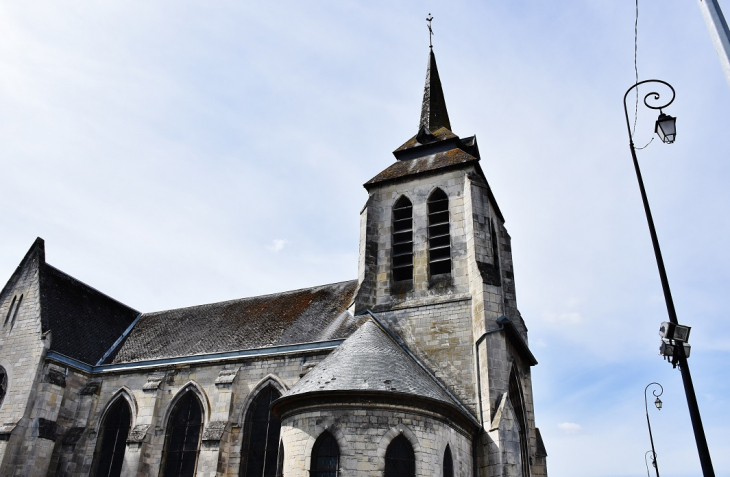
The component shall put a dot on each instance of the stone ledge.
(73, 435)
(46, 429)
(226, 377)
(214, 431)
(137, 434)
(56, 377)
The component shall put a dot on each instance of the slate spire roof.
(370, 361)
(433, 110)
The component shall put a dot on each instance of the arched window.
(448, 463)
(113, 439)
(439, 238)
(399, 458)
(516, 399)
(402, 240)
(3, 384)
(262, 432)
(182, 438)
(325, 457)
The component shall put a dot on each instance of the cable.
(636, 68)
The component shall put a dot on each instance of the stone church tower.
(420, 367)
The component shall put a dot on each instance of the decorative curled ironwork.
(652, 96)
(653, 461)
(661, 391)
(648, 423)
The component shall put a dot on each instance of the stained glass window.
(448, 463)
(113, 439)
(262, 430)
(399, 459)
(182, 438)
(325, 456)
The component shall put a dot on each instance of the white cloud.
(564, 318)
(570, 427)
(277, 245)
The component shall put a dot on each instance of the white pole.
(719, 32)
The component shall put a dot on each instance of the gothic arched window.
(516, 399)
(113, 439)
(325, 457)
(262, 432)
(3, 384)
(399, 458)
(439, 238)
(182, 438)
(402, 240)
(448, 463)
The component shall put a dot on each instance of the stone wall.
(225, 391)
(23, 347)
(363, 434)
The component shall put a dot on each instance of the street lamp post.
(658, 404)
(668, 136)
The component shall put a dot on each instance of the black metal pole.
(648, 423)
(694, 411)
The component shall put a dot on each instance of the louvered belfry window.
(448, 463)
(182, 439)
(399, 458)
(263, 436)
(325, 456)
(402, 240)
(439, 238)
(113, 439)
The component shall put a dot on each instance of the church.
(418, 367)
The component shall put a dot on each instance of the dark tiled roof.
(84, 322)
(299, 316)
(423, 164)
(441, 134)
(370, 360)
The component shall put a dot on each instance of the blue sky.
(178, 153)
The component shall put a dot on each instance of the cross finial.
(430, 31)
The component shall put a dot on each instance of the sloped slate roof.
(84, 322)
(423, 164)
(441, 134)
(293, 317)
(370, 360)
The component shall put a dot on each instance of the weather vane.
(430, 31)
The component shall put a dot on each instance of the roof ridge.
(86, 285)
(246, 298)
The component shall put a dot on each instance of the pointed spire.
(433, 110)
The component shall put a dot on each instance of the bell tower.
(436, 267)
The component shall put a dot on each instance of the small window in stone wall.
(402, 240)
(400, 460)
(182, 439)
(3, 384)
(448, 463)
(439, 237)
(113, 440)
(262, 432)
(10, 310)
(15, 313)
(325, 457)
